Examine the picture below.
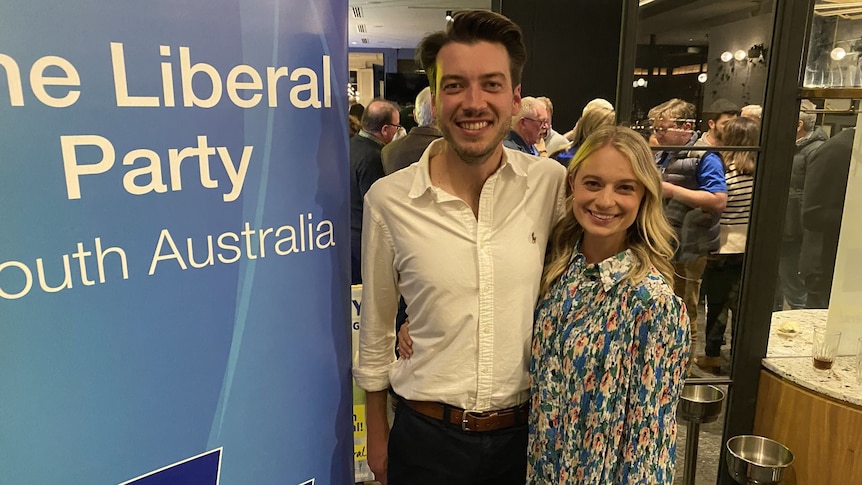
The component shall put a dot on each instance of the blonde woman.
(611, 340)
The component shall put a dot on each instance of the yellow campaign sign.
(360, 453)
(359, 421)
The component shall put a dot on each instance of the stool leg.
(692, 436)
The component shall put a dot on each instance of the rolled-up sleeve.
(379, 304)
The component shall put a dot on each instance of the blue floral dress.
(607, 369)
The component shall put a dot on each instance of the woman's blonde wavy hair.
(651, 238)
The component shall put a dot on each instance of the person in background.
(752, 111)
(610, 342)
(695, 194)
(652, 140)
(404, 151)
(822, 211)
(356, 110)
(528, 126)
(553, 141)
(597, 103)
(354, 125)
(594, 103)
(723, 272)
(380, 123)
(809, 137)
(719, 113)
(408, 119)
(461, 235)
(589, 122)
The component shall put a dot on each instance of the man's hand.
(378, 434)
(405, 343)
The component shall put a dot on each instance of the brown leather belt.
(472, 420)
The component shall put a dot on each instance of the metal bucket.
(700, 403)
(757, 460)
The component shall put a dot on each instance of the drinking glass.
(825, 348)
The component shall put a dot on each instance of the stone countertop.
(839, 382)
(782, 344)
(789, 356)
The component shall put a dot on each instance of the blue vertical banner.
(174, 261)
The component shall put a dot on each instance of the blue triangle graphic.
(202, 469)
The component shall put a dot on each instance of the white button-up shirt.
(470, 283)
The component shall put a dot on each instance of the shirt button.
(487, 331)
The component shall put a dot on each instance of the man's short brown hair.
(470, 27)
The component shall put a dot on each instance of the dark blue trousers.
(424, 451)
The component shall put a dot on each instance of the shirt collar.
(513, 161)
(365, 134)
(610, 271)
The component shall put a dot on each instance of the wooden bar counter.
(817, 414)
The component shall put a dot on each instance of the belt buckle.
(466, 414)
(475, 415)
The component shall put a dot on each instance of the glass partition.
(713, 56)
(822, 240)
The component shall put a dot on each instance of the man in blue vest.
(695, 194)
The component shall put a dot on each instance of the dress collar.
(610, 271)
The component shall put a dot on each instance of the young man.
(461, 235)
(719, 113)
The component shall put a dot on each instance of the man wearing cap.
(718, 114)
